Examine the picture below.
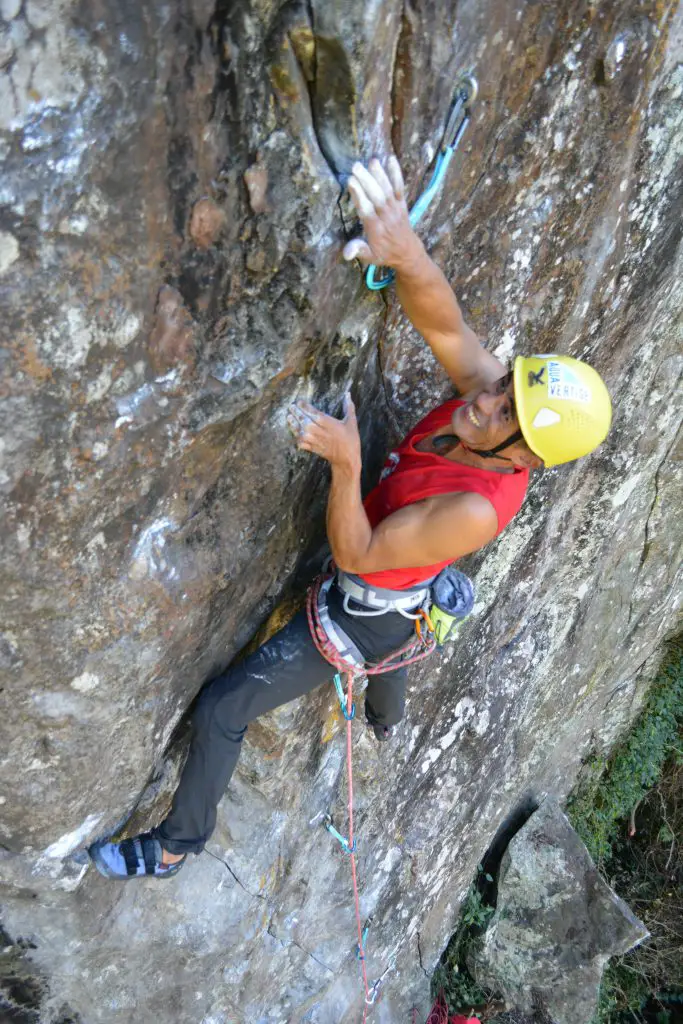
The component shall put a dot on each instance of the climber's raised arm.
(423, 291)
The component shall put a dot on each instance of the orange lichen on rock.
(172, 338)
(206, 223)
(256, 180)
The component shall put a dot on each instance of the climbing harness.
(332, 643)
(378, 600)
(413, 651)
(465, 94)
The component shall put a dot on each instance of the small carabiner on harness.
(424, 614)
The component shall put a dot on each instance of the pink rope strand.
(415, 650)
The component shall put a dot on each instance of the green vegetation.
(612, 789)
(452, 977)
(628, 810)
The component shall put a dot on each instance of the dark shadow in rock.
(510, 826)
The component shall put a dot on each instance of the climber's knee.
(385, 698)
(386, 713)
(219, 705)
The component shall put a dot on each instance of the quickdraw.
(465, 94)
(342, 699)
(360, 948)
(347, 845)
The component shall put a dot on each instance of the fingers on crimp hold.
(380, 176)
(363, 205)
(370, 186)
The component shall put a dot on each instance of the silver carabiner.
(466, 91)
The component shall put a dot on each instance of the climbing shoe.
(132, 858)
(382, 732)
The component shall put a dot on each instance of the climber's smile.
(489, 417)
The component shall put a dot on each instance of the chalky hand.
(379, 199)
(337, 441)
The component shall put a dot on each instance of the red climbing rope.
(415, 650)
(440, 1014)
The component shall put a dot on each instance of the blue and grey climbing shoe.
(132, 858)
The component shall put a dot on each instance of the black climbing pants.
(284, 668)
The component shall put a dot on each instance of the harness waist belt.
(335, 634)
(379, 597)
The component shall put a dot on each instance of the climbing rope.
(415, 650)
(465, 94)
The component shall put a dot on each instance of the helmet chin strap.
(485, 453)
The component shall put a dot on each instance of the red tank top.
(409, 476)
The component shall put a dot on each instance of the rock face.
(556, 923)
(170, 228)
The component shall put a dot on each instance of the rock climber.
(448, 489)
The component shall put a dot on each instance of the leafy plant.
(611, 789)
(452, 976)
(628, 809)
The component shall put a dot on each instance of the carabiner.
(372, 998)
(342, 699)
(343, 842)
(465, 94)
(466, 90)
(360, 948)
(430, 625)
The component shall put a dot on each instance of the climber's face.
(488, 418)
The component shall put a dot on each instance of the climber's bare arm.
(423, 291)
(438, 529)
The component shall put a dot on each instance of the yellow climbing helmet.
(563, 407)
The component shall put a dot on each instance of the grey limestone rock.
(171, 221)
(556, 923)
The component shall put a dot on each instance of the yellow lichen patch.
(283, 83)
(268, 880)
(330, 726)
(303, 44)
(276, 621)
